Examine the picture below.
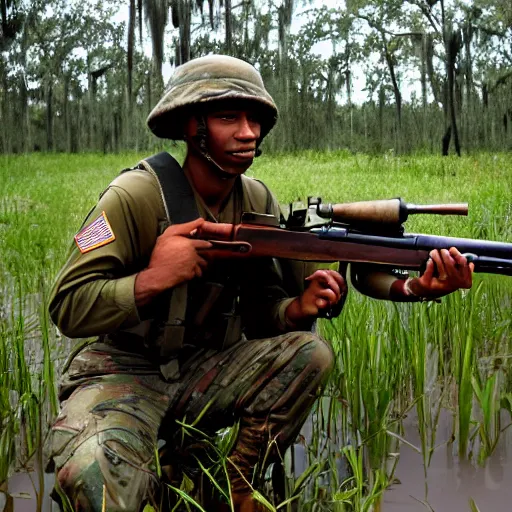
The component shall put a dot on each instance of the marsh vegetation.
(428, 360)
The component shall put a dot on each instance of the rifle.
(361, 232)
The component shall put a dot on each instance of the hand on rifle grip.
(175, 259)
(325, 289)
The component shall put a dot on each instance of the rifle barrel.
(438, 209)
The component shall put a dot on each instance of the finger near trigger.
(201, 244)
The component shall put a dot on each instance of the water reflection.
(451, 483)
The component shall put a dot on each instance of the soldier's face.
(232, 138)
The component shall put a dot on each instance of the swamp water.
(451, 483)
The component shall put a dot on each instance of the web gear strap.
(180, 207)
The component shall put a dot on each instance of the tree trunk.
(130, 51)
(382, 101)
(65, 113)
(348, 83)
(396, 90)
(468, 36)
(430, 69)
(424, 72)
(5, 146)
(452, 50)
(424, 130)
(468, 130)
(229, 36)
(184, 15)
(24, 143)
(49, 116)
(91, 111)
(446, 141)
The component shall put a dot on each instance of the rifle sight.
(384, 211)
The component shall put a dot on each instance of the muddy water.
(22, 485)
(23, 494)
(451, 483)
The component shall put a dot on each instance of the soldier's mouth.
(247, 153)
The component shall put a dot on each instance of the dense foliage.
(357, 74)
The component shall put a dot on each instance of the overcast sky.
(323, 48)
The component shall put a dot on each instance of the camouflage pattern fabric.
(116, 406)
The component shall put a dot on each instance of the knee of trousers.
(106, 468)
(320, 355)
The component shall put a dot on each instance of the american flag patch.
(96, 234)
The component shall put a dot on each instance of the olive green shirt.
(94, 292)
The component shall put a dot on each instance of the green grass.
(391, 358)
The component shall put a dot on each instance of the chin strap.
(199, 144)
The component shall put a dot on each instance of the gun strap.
(180, 207)
(179, 201)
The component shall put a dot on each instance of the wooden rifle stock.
(331, 243)
(247, 240)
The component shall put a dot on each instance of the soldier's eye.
(229, 116)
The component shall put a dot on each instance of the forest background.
(75, 76)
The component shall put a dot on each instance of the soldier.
(179, 336)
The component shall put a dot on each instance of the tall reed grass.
(393, 359)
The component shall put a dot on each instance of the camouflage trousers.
(117, 408)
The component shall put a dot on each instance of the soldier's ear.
(190, 127)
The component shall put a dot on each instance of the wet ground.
(21, 485)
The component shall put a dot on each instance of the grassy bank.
(392, 358)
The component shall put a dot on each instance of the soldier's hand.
(325, 289)
(446, 271)
(174, 260)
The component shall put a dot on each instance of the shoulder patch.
(96, 234)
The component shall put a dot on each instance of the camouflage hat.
(204, 80)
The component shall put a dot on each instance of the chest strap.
(180, 207)
(179, 201)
